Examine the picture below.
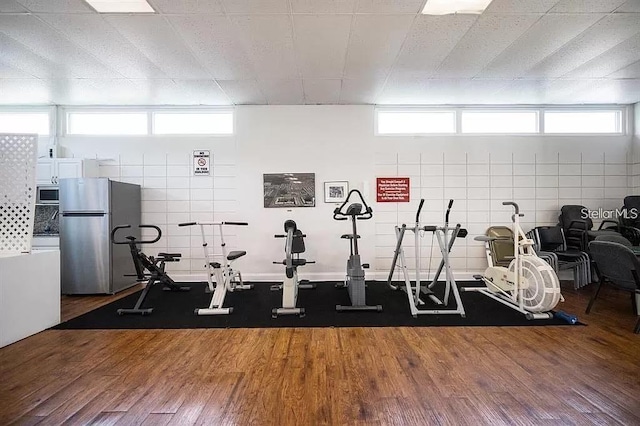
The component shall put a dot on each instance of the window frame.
(624, 111)
(462, 111)
(415, 109)
(23, 109)
(65, 111)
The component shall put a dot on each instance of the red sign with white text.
(392, 190)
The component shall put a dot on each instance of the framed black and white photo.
(336, 192)
(289, 190)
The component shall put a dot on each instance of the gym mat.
(252, 309)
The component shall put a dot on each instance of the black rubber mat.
(252, 309)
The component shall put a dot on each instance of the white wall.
(338, 143)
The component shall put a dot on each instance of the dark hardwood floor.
(379, 376)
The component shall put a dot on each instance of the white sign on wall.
(201, 163)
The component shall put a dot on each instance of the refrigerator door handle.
(83, 213)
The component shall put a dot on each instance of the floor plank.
(379, 376)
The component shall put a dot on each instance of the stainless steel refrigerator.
(89, 209)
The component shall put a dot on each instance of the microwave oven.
(47, 194)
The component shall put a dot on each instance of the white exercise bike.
(226, 278)
(293, 247)
(529, 285)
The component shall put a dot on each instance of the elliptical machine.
(446, 236)
(155, 266)
(293, 247)
(354, 281)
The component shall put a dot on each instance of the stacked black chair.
(628, 223)
(551, 239)
(619, 266)
(578, 228)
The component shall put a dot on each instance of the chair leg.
(595, 294)
(635, 301)
(637, 329)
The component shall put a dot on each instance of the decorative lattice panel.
(18, 157)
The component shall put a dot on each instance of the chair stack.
(551, 241)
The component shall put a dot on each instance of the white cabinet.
(51, 170)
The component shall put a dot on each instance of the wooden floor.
(379, 376)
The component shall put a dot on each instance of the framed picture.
(336, 192)
(287, 190)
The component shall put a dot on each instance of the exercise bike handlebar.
(514, 205)
(367, 214)
(155, 240)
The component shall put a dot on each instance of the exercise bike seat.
(349, 236)
(236, 254)
(169, 257)
(295, 262)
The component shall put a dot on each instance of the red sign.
(393, 190)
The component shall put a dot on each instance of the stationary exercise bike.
(155, 266)
(294, 245)
(529, 285)
(226, 278)
(446, 237)
(354, 281)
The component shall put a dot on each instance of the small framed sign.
(392, 190)
(201, 163)
(336, 192)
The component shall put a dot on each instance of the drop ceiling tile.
(24, 92)
(602, 36)
(631, 71)
(243, 92)
(630, 6)
(216, 43)
(611, 91)
(182, 92)
(361, 90)
(268, 40)
(95, 35)
(486, 39)
(154, 38)
(617, 58)
(386, 6)
(282, 92)
(317, 91)
(57, 6)
(321, 44)
(44, 41)
(11, 6)
(538, 91)
(256, 6)
(374, 44)
(324, 6)
(9, 71)
(404, 89)
(546, 36)
(586, 6)
(98, 92)
(478, 92)
(519, 6)
(18, 56)
(430, 41)
(187, 6)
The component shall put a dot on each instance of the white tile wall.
(540, 186)
(171, 195)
